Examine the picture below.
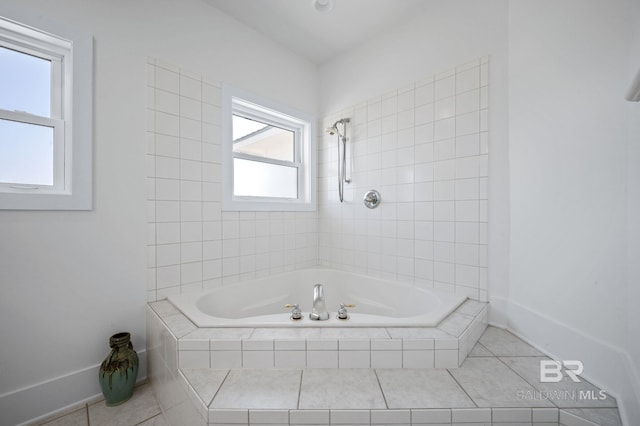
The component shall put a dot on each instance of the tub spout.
(319, 310)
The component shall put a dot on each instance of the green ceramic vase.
(118, 372)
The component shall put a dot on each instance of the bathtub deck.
(444, 346)
(497, 381)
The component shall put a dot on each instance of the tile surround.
(221, 348)
(192, 244)
(453, 396)
(185, 398)
(424, 147)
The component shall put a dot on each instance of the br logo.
(551, 371)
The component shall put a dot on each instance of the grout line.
(525, 380)
(219, 387)
(86, 408)
(155, 192)
(148, 418)
(389, 336)
(179, 184)
(375, 371)
(485, 348)
(455, 133)
(488, 350)
(300, 387)
(202, 185)
(462, 387)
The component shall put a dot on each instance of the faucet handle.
(296, 312)
(343, 313)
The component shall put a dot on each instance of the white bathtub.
(260, 302)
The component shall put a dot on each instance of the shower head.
(334, 129)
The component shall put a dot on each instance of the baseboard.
(606, 366)
(56, 396)
(498, 311)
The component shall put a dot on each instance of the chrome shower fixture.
(342, 159)
(322, 6)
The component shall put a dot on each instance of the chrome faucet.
(319, 311)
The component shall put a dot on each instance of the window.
(268, 155)
(45, 119)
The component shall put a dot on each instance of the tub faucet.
(319, 311)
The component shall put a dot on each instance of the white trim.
(497, 314)
(250, 157)
(23, 34)
(606, 366)
(72, 59)
(305, 158)
(57, 395)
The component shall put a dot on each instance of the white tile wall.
(424, 147)
(192, 243)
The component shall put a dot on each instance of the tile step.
(250, 405)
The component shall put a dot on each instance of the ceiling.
(319, 36)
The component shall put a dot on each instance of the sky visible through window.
(25, 83)
(26, 150)
(245, 126)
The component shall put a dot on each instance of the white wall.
(448, 33)
(71, 279)
(568, 72)
(633, 205)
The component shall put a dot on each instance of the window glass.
(268, 154)
(259, 139)
(25, 83)
(26, 153)
(258, 179)
(245, 126)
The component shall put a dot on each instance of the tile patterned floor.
(141, 409)
(501, 371)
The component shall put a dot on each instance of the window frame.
(242, 103)
(71, 114)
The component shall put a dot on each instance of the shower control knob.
(372, 199)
